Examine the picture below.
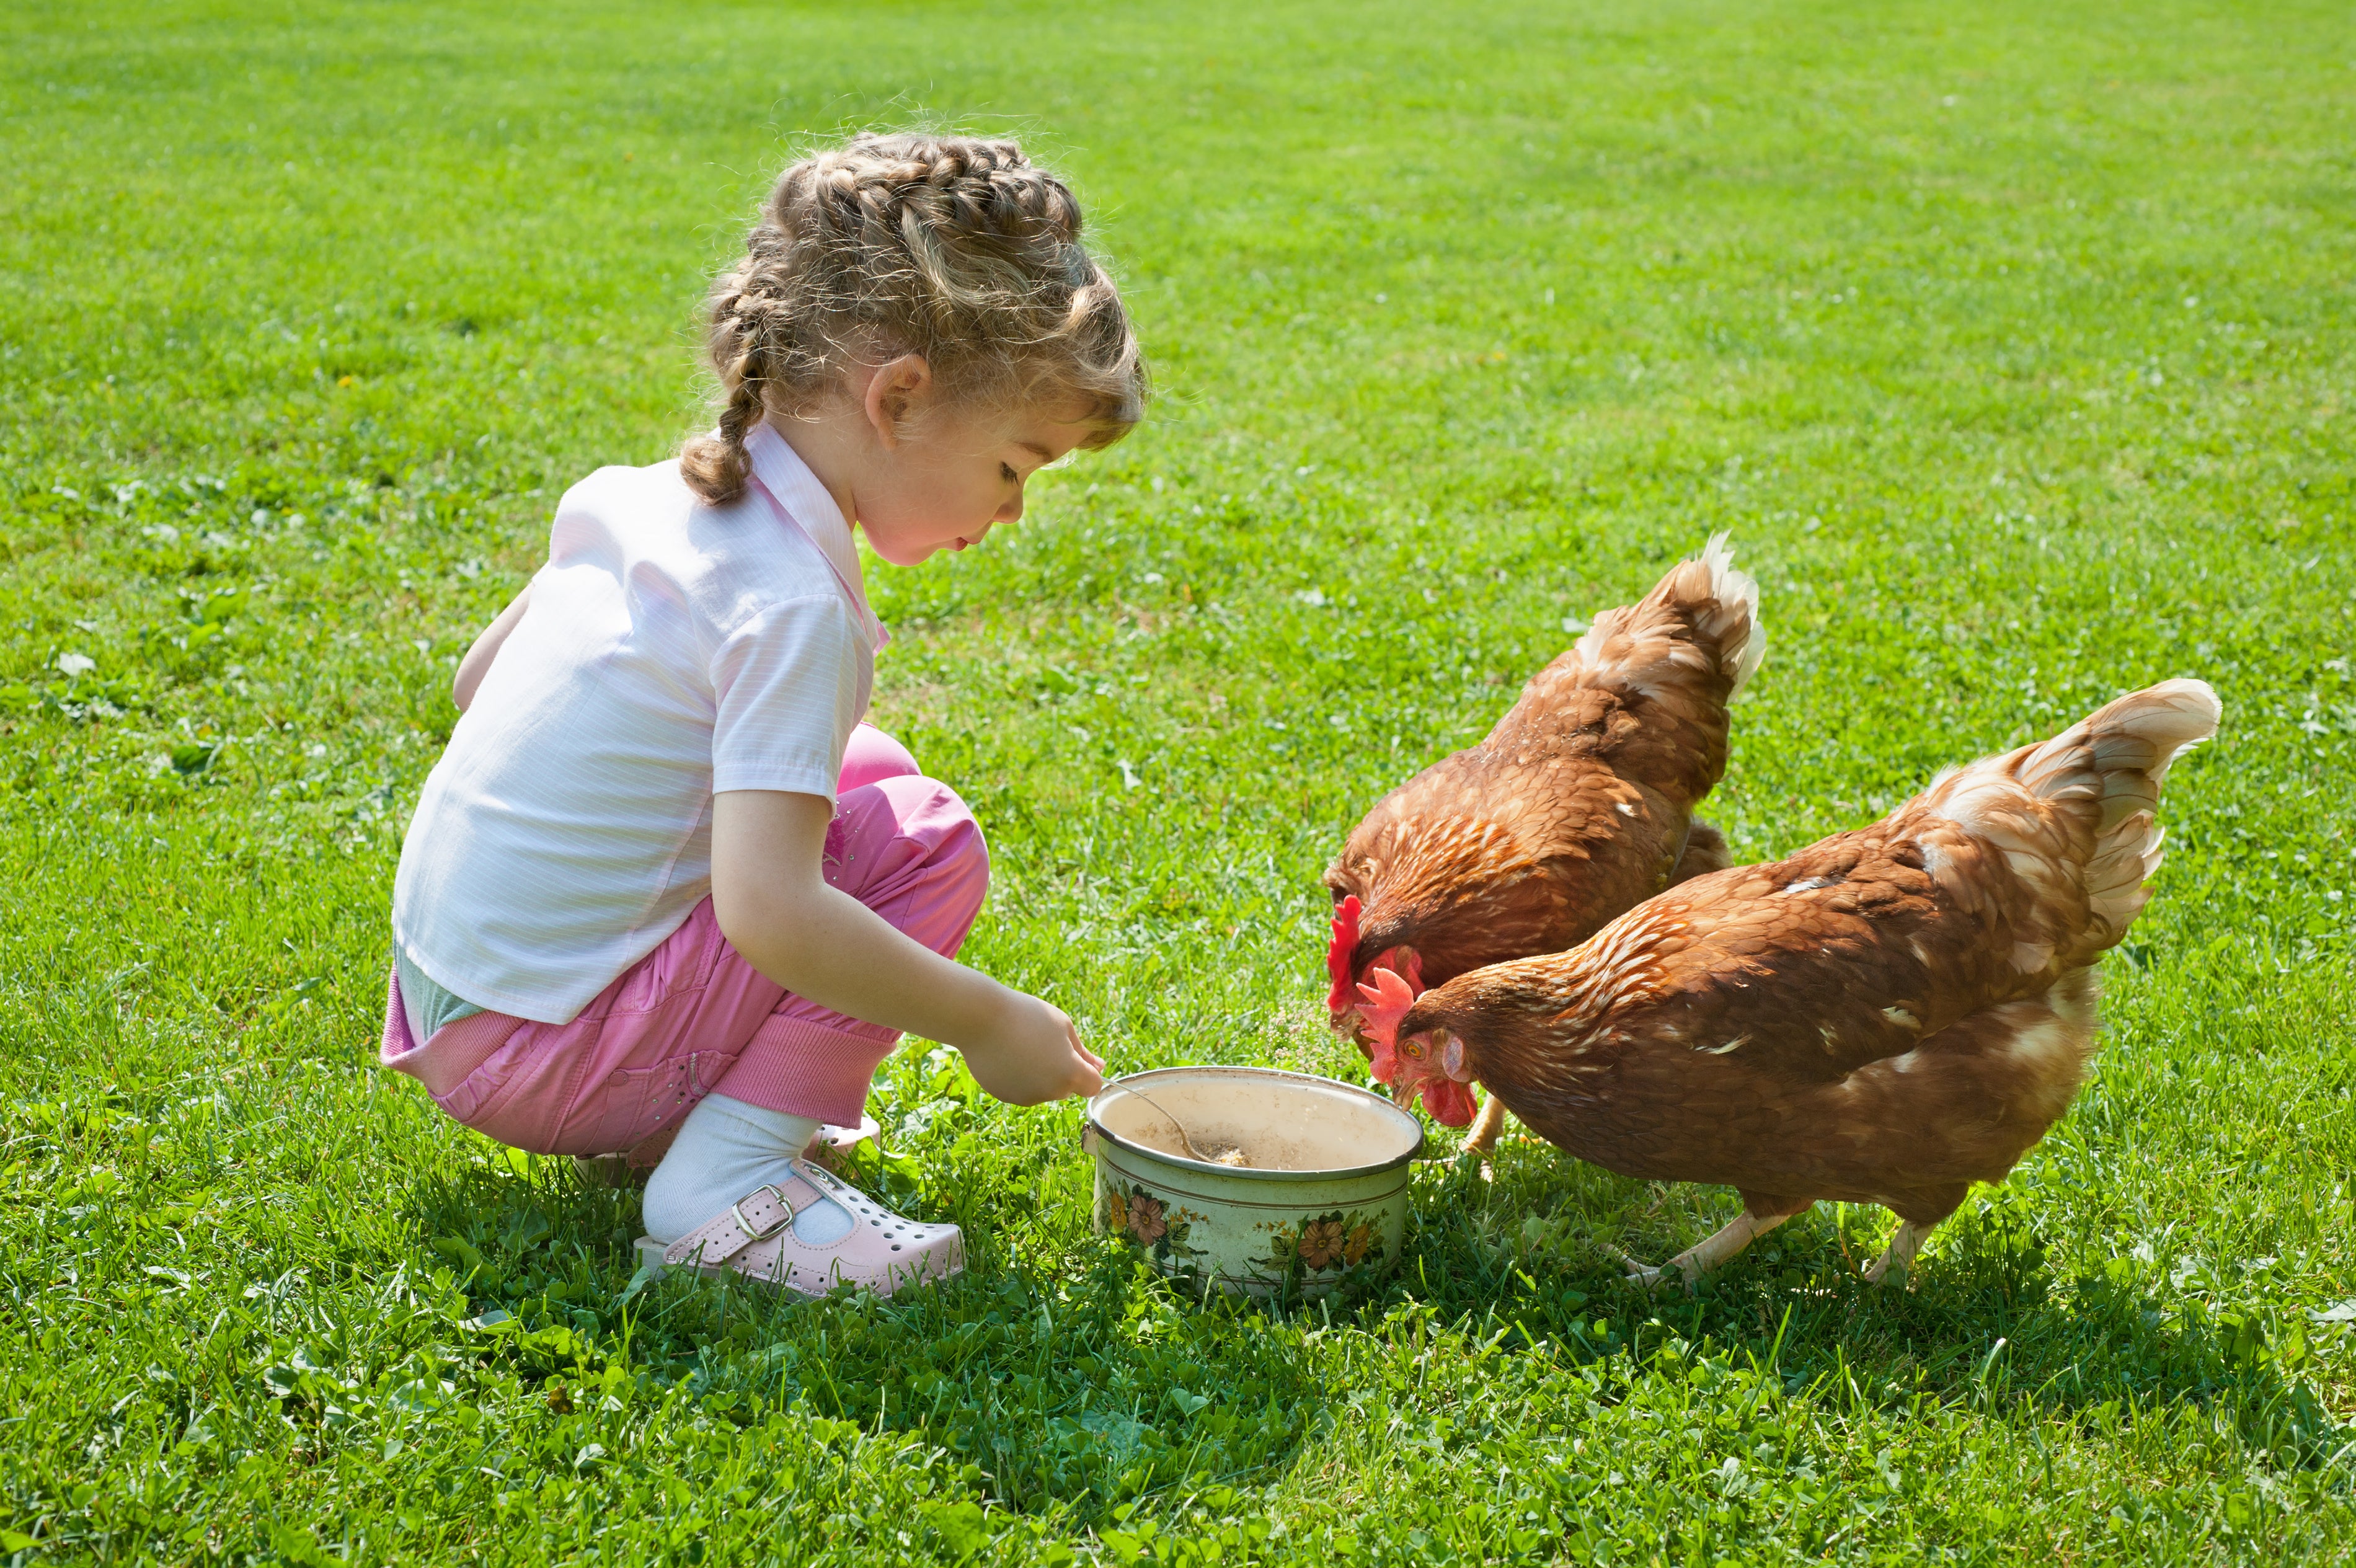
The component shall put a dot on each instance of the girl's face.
(940, 478)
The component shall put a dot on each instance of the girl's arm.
(774, 906)
(478, 662)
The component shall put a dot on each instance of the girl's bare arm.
(478, 662)
(774, 906)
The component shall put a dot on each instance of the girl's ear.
(894, 393)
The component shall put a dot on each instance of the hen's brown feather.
(1888, 1015)
(1579, 803)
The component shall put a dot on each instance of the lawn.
(2009, 341)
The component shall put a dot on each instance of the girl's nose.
(1012, 511)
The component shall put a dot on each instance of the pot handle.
(1089, 1138)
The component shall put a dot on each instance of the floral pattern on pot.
(1152, 1222)
(1323, 1244)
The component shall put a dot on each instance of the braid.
(716, 465)
(957, 249)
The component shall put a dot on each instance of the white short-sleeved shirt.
(671, 649)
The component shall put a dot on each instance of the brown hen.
(1886, 1016)
(1577, 804)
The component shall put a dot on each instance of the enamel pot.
(1321, 1202)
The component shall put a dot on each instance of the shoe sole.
(650, 1260)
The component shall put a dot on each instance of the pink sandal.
(755, 1237)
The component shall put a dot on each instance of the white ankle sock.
(725, 1151)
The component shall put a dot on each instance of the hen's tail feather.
(1638, 645)
(2126, 745)
(2105, 772)
(1733, 590)
(2132, 742)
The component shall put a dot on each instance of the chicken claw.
(1899, 1254)
(1645, 1276)
(1706, 1255)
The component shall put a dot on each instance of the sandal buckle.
(736, 1212)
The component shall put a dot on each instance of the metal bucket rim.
(1247, 1173)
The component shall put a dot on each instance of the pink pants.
(693, 1017)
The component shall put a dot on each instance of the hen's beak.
(1352, 1026)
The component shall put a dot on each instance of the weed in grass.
(2010, 349)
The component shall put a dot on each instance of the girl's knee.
(934, 817)
(909, 849)
(872, 756)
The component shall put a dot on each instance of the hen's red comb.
(1337, 957)
(1383, 1003)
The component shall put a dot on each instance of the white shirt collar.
(790, 483)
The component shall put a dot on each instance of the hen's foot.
(1706, 1255)
(1482, 1139)
(1681, 1269)
(1643, 1275)
(1898, 1256)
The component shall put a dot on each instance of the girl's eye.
(1006, 472)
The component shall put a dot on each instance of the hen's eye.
(1414, 1049)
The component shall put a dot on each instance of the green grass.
(2010, 342)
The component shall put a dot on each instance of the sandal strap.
(755, 1217)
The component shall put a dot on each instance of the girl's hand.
(775, 905)
(1032, 1054)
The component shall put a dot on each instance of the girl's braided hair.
(960, 249)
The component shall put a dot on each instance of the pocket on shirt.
(633, 1104)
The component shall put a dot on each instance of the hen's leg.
(1706, 851)
(1485, 1128)
(1760, 1213)
(1899, 1253)
(1917, 1219)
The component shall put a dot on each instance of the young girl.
(666, 894)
